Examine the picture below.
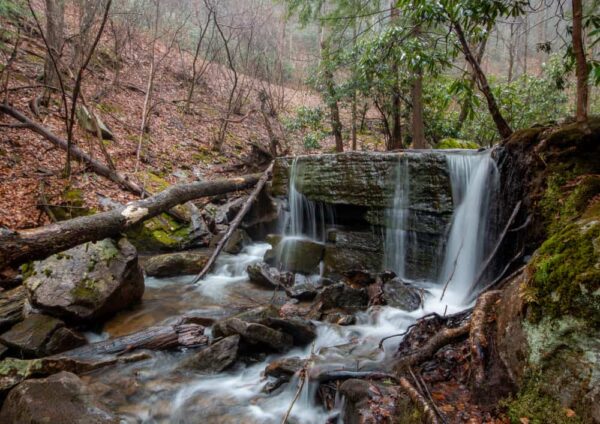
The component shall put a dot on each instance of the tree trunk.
(55, 22)
(581, 70)
(37, 243)
(462, 117)
(395, 141)
(418, 127)
(503, 128)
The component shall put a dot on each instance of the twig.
(302, 377)
(419, 400)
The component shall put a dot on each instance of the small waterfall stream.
(166, 394)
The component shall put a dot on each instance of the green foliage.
(11, 8)
(537, 407)
(308, 124)
(454, 143)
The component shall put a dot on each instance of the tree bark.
(581, 70)
(462, 117)
(503, 127)
(37, 243)
(395, 141)
(55, 22)
(418, 127)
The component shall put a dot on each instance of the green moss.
(71, 206)
(455, 143)
(161, 233)
(533, 404)
(19, 367)
(47, 272)
(87, 291)
(566, 275)
(27, 270)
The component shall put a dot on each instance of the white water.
(305, 220)
(236, 396)
(474, 180)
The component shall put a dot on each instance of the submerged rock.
(217, 357)
(88, 282)
(40, 335)
(60, 398)
(179, 263)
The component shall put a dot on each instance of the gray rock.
(400, 295)
(257, 335)
(302, 331)
(342, 296)
(263, 275)
(11, 306)
(217, 357)
(64, 339)
(179, 263)
(60, 398)
(298, 255)
(236, 242)
(29, 337)
(88, 282)
(285, 367)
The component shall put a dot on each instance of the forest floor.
(176, 148)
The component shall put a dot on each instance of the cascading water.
(474, 179)
(397, 233)
(305, 219)
(167, 393)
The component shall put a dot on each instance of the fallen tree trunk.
(97, 355)
(235, 223)
(41, 242)
(97, 167)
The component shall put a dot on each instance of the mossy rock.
(159, 234)
(455, 143)
(71, 206)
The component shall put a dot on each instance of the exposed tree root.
(436, 342)
(420, 401)
(478, 341)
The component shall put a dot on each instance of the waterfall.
(304, 220)
(397, 233)
(474, 179)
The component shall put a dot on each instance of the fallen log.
(235, 223)
(101, 354)
(435, 343)
(478, 340)
(324, 376)
(97, 167)
(37, 243)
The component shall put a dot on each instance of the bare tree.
(55, 23)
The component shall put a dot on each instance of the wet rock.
(11, 306)
(262, 218)
(257, 335)
(179, 263)
(359, 277)
(342, 296)
(217, 357)
(345, 250)
(88, 282)
(235, 244)
(31, 336)
(225, 213)
(340, 318)
(3, 350)
(64, 339)
(302, 291)
(302, 331)
(268, 277)
(285, 368)
(296, 255)
(398, 294)
(60, 398)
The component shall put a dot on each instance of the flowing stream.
(158, 391)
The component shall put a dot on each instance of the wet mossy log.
(27, 245)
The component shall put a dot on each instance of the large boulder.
(295, 254)
(179, 263)
(40, 335)
(342, 296)
(60, 398)
(88, 282)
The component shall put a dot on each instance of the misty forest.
(299, 211)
